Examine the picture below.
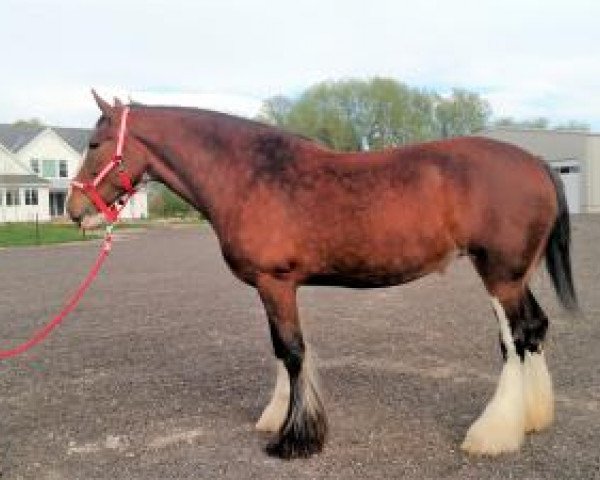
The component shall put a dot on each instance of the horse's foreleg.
(304, 429)
(275, 413)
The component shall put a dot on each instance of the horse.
(289, 212)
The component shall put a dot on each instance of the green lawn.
(22, 234)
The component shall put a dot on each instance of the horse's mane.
(230, 119)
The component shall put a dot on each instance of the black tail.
(558, 256)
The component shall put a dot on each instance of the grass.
(24, 234)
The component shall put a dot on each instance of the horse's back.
(460, 184)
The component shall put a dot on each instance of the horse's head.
(98, 186)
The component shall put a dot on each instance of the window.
(1, 197)
(62, 169)
(35, 165)
(12, 197)
(31, 196)
(567, 169)
(49, 168)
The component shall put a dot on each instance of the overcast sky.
(529, 58)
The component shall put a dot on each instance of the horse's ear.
(118, 103)
(103, 105)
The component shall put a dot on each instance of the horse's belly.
(360, 281)
(374, 271)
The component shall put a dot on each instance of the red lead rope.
(42, 333)
(111, 213)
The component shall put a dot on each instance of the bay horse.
(289, 212)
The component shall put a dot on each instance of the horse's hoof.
(288, 448)
(493, 436)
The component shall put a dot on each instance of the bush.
(163, 203)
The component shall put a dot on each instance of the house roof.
(77, 138)
(15, 137)
(544, 131)
(22, 180)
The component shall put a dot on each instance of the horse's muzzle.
(82, 212)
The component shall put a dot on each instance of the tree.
(378, 113)
(31, 122)
(164, 203)
(276, 110)
(328, 112)
(397, 114)
(348, 114)
(463, 113)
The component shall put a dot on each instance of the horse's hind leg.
(523, 401)
(501, 426)
(539, 399)
(304, 427)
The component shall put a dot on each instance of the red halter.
(90, 188)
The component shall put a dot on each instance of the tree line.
(379, 113)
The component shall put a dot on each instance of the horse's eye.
(94, 145)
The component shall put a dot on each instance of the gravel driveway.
(166, 364)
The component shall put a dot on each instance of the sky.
(528, 58)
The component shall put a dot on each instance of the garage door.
(570, 173)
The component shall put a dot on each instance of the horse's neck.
(206, 178)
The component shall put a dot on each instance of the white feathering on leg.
(539, 399)
(312, 390)
(501, 426)
(275, 413)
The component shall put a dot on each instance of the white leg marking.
(501, 426)
(539, 399)
(275, 413)
(507, 338)
(311, 390)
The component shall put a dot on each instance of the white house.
(36, 167)
(22, 194)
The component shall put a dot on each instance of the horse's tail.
(558, 255)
